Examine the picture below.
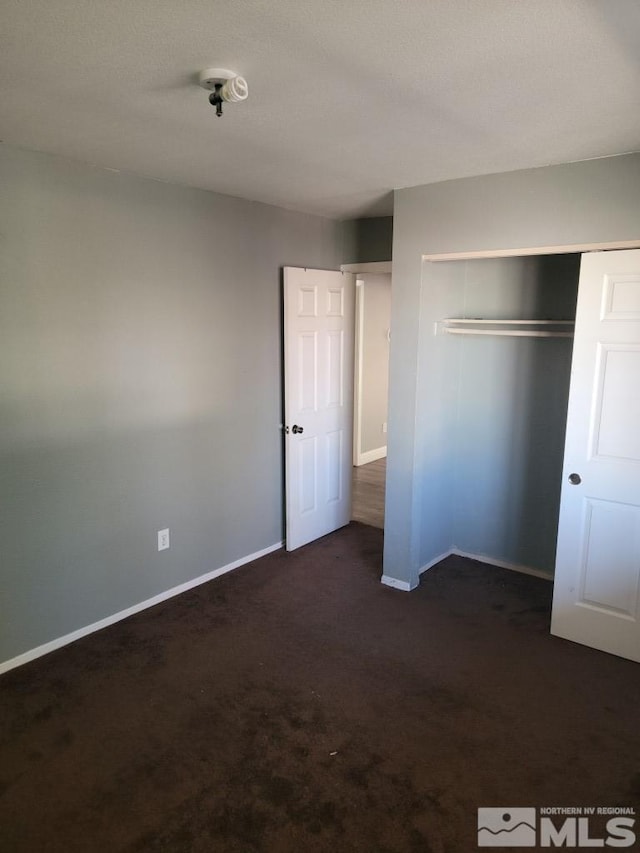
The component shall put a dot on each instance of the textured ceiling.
(347, 100)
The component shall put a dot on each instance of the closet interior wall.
(496, 449)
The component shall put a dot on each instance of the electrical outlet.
(163, 539)
(384, 427)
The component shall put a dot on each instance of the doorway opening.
(371, 387)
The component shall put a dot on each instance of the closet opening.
(503, 368)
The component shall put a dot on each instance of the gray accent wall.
(140, 364)
(592, 201)
(368, 240)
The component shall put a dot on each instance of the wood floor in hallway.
(368, 493)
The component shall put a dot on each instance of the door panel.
(617, 373)
(307, 372)
(318, 337)
(621, 297)
(609, 577)
(597, 583)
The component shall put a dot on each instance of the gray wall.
(367, 240)
(584, 202)
(375, 361)
(507, 444)
(140, 371)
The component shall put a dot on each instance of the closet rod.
(510, 333)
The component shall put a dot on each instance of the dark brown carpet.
(298, 705)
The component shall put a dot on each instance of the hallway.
(368, 493)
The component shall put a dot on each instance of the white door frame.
(375, 268)
(357, 372)
(567, 249)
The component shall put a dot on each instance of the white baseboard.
(435, 561)
(514, 567)
(371, 455)
(406, 587)
(387, 580)
(51, 646)
(491, 561)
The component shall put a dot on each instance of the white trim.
(358, 362)
(534, 250)
(479, 558)
(472, 321)
(387, 580)
(435, 561)
(511, 333)
(361, 457)
(501, 564)
(58, 643)
(374, 267)
(371, 455)
(406, 587)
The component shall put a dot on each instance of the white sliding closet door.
(597, 583)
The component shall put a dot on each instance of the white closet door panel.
(597, 583)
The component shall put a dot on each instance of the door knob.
(575, 479)
(296, 430)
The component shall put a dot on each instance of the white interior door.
(318, 378)
(596, 591)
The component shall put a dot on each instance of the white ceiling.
(348, 99)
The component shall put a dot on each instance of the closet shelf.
(477, 326)
(528, 333)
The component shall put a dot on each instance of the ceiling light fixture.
(224, 86)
